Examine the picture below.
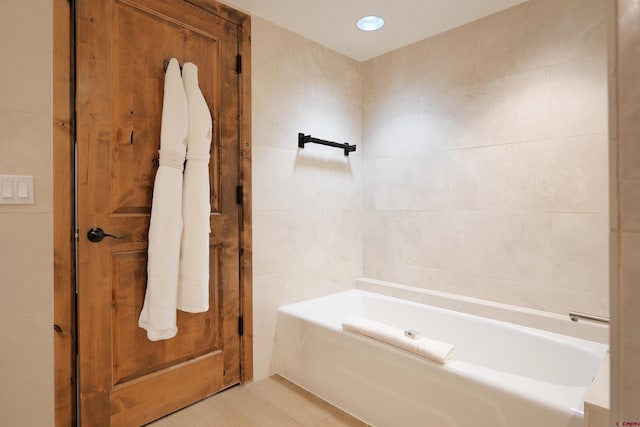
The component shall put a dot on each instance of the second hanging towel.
(193, 288)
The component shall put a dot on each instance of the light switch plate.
(6, 190)
(16, 190)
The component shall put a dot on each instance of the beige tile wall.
(306, 203)
(26, 246)
(625, 202)
(486, 159)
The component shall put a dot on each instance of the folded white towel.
(193, 289)
(158, 314)
(437, 351)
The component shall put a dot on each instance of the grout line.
(529, 141)
(496, 212)
(499, 144)
(47, 114)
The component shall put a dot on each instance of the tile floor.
(273, 402)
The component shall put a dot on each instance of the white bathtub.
(501, 375)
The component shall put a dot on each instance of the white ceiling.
(332, 23)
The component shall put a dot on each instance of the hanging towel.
(193, 289)
(437, 351)
(158, 314)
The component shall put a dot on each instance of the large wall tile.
(273, 179)
(324, 279)
(417, 183)
(629, 333)
(503, 178)
(285, 240)
(579, 97)
(32, 418)
(27, 376)
(614, 192)
(329, 180)
(475, 112)
(410, 238)
(313, 178)
(580, 251)
(446, 60)
(401, 128)
(25, 44)
(331, 76)
(276, 64)
(629, 174)
(506, 246)
(263, 358)
(543, 296)
(580, 173)
(269, 292)
(548, 40)
(500, 40)
(525, 108)
(26, 267)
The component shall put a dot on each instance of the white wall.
(307, 227)
(26, 237)
(486, 159)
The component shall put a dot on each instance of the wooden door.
(122, 48)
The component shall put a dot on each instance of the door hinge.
(239, 64)
(241, 326)
(239, 194)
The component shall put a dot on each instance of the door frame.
(64, 234)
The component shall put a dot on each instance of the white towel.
(437, 351)
(193, 288)
(158, 314)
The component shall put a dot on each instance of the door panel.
(133, 354)
(137, 108)
(122, 50)
(137, 402)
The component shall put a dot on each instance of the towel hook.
(165, 64)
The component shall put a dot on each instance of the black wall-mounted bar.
(305, 139)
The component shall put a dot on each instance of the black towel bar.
(305, 139)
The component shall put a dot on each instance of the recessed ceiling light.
(370, 23)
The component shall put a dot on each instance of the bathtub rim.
(518, 315)
(335, 324)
